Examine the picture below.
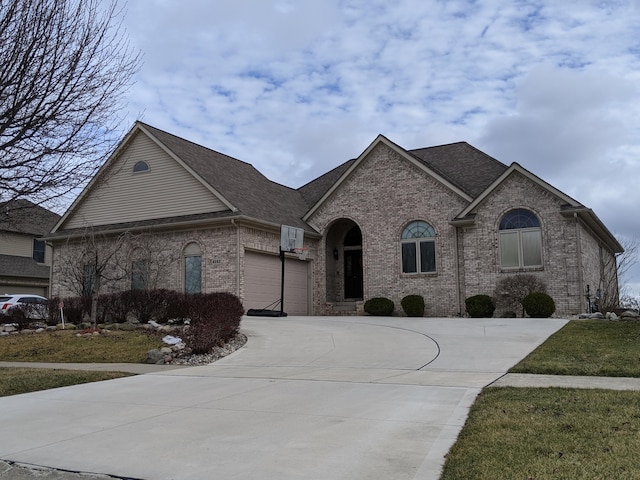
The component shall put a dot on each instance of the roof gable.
(239, 188)
(570, 206)
(344, 171)
(119, 193)
(526, 173)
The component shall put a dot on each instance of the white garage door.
(262, 283)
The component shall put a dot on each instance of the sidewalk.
(508, 380)
(137, 368)
(562, 381)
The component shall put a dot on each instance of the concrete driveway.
(307, 397)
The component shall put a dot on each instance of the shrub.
(539, 305)
(215, 319)
(379, 306)
(74, 309)
(413, 305)
(480, 306)
(510, 291)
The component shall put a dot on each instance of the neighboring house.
(445, 222)
(24, 258)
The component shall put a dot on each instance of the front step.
(344, 308)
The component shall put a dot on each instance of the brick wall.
(479, 247)
(382, 196)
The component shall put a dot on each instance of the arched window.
(140, 167)
(418, 245)
(520, 239)
(192, 268)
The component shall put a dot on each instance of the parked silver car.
(25, 305)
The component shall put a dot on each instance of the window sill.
(520, 269)
(419, 274)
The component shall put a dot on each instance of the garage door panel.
(262, 283)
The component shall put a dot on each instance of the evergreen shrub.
(480, 306)
(539, 305)
(379, 306)
(413, 305)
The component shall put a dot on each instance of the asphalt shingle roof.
(22, 216)
(11, 265)
(463, 165)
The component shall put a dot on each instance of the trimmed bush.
(539, 305)
(413, 305)
(379, 306)
(480, 306)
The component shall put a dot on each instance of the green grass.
(588, 347)
(65, 346)
(536, 434)
(14, 381)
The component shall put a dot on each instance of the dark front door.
(353, 274)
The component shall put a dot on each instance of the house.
(24, 258)
(445, 222)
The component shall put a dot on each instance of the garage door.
(262, 283)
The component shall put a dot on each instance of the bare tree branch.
(64, 68)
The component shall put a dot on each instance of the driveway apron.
(307, 397)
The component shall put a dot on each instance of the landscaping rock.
(596, 315)
(629, 315)
(155, 356)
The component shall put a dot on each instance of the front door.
(353, 274)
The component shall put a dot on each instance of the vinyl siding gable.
(166, 189)
(16, 244)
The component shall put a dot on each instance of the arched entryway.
(344, 262)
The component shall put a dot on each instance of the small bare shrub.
(511, 291)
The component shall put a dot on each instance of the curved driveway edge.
(307, 397)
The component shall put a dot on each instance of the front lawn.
(14, 381)
(65, 346)
(588, 347)
(552, 433)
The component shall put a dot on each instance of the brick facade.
(381, 197)
(386, 192)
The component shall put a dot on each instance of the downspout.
(457, 257)
(581, 288)
(50, 292)
(233, 222)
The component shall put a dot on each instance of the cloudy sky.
(297, 87)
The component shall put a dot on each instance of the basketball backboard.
(291, 238)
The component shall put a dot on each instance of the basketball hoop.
(302, 252)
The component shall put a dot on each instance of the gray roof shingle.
(14, 266)
(463, 165)
(22, 216)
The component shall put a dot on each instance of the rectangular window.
(139, 275)
(509, 256)
(409, 263)
(520, 248)
(38, 251)
(428, 256)
(531, 248)
(193, 274)
(419, 256)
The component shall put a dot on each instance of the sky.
(298, 87)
